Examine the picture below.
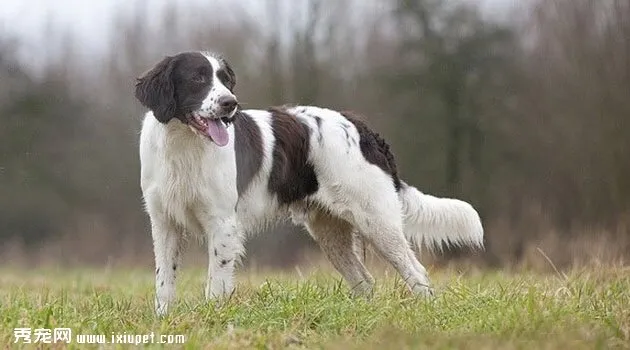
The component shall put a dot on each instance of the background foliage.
(525, 117)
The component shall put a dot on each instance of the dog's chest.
(184, 183)
(197, 184)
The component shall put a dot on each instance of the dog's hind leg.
(392, 246)
(415, 262)
(335, 237)
(379, 221)
(166, 247)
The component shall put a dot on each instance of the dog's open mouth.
(214, 128)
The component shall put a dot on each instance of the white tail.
(431, 221)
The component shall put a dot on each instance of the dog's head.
(194, 87)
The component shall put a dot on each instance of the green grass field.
(588, 309)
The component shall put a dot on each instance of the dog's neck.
(180, 137)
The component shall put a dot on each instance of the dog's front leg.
(225, 247)
(166, 245)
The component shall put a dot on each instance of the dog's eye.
(200, 79)
(225, 79)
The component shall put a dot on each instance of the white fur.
(186, 195)
(432, 222)
(189, 188)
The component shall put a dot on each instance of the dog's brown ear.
(155, 90)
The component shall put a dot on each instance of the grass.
(587, 309)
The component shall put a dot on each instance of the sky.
(28, 18)
(89, 21)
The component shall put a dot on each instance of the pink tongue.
(218, 132)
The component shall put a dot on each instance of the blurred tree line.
(525, 118)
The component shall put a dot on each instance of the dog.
(211, 169)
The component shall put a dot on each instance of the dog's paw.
(423, 290)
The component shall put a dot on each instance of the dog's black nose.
(227, 103)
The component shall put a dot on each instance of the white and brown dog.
(213, 170)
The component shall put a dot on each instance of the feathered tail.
(431, 221)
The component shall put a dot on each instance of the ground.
(584, 309)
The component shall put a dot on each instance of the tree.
(452, 55)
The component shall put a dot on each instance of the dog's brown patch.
(374, 147)
(292, 177)
(248, 146)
